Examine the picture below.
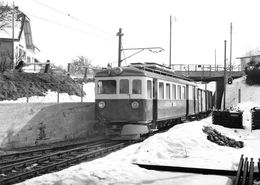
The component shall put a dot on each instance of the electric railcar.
(135, 100)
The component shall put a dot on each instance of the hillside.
(14, 85)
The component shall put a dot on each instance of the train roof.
(141, 69)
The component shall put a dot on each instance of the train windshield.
(107, 87)
(124, 86)
(137, 87)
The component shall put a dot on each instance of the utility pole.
(170, 50)
(224, 92)
(230, 60)
(215, 59)
(119, 34)
(13, 62)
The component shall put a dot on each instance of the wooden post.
(58, 97)
(69, 69)
(85, 73)
(239, 95)
(82, 93)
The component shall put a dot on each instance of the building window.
(161, 90)
(124, 86)
(149, 89)
(137, 87)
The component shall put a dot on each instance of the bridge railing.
(204, 67)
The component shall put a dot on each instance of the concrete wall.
(42, 123)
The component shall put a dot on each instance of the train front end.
(123, 103)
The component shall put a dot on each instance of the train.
(141, 98)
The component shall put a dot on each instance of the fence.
(204, 67)
(32, 92)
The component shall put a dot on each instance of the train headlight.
(118, 70)
(101, 104)
(135, 105)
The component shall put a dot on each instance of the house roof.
(248, 56)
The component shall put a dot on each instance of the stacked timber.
(230, 119)
(255, 118)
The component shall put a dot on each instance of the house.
(244, 60)
(16, 43)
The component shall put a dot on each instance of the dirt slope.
(14, 85)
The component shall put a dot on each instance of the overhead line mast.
(119, 34)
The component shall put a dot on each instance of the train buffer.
(244, 175)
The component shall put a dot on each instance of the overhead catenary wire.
(123, 53)
(72, 17)
(68, 27)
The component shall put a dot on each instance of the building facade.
(16, 44)
(246, 59)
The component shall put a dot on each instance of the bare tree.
(79, 64)
(5, 15)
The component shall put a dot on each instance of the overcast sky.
(65, 29)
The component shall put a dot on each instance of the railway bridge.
(207, 73)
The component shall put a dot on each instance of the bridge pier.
(219, 93)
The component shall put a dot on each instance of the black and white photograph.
(129, 92)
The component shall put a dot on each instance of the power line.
(69, 15)
(66, 26)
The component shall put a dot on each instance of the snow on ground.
(183, 145)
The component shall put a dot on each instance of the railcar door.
(187, 100)
(155, 103)
(194, 98)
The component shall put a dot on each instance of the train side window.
(183, 93)
(161, 90)
(168, 91)
(174, 92)
(193, 93)
(149, 89)
(136, 87)
(106, 87)
(178, 92)
(190, 95)
(124, 86)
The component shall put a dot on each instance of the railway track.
(21, 168)
(15, 157)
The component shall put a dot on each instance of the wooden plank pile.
(229, 119)
(255, 118)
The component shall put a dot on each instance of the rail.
(19, 171)
(204, 67)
